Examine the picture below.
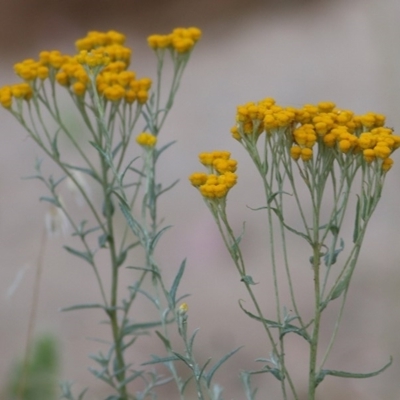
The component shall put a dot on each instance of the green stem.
(317, 319)
(112, 312)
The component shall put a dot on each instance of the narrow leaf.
(116, 149)
(157, 237)
(84, 306)
(82, 254)
(184, 359)
(100, 150)
(158, 360)
(159, 193)
(191, 341)
(271, 323)
(344, 374)
(248, 279)
(175, 283)
(357, 220)
(204, 368)
(162, 149)
(132, 223)
(186, 383)
(130, 378)
(289, 328)
(86, 171)
(166, 342)
(331, 258)
(212, 371)
(102, 240)
(273, 195)
(130, 329)
(50, 200)
(54, 145)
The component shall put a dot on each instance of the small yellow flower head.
(221, 165)
(344, 145)
(94, 58)
(114, 93)
(194, 33)
(387, 164)
(207, 159)
(182, 45)
(306, 154)
(130, 96)
(142, 96)
(295, 152)
(330, 140)
(6, 97)
(56, 59)
(79, 88)
(382, 151)
(369, 155)
(43, 72)
(326, 106)
(213, 190)
(371, 120)
(229, 179)
(126, 77)
(146, 139)
(182, 40)
(183, 309)
(22, 91)
(366, 140)
(198, 178)
(235, 133)
(62, 78)
(221, 178)
(96, 39)
(159, 41)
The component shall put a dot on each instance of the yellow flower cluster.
(102, 53)
(322, 125)
(146, 139)
(18, 91)
(221, 177)
(182, 40)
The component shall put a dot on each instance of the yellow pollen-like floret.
(222, 165)
(387, 164)
(114, 93)
(329, 139)
(130, 96)
(142, 96)
(295, 152)
(235, 133)
(198, 178)
(181, 40)
(306, 154)
(326, 106)
(146, 139)
(344, 146)
(79, 88)
(6, 97)
(21, 90)
(229, 179)
(382, 151)
(369, 155)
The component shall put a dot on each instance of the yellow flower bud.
(306, 154)
(146, 139)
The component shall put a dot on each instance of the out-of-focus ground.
(296, 51)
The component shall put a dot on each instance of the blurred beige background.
(297, 51)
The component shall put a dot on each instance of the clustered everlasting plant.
(328, 153)
(333, 155)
